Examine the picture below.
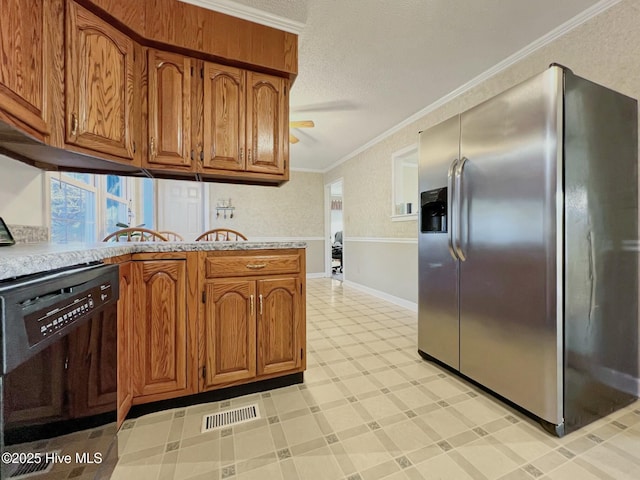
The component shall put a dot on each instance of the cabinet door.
(224, 117)
(22, 46)
(160, 325)
(99, 84)
(267, 123)
(229, 332)
(279, 317)
(169, 109)
(125, 342)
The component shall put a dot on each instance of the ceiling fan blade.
(302, 124)
(293, 139)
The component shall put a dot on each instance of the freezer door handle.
(457, 242)
(450, 197)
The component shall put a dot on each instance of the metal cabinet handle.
(249, 155)
(74, 124)
(260, 298)
(241, 152)
(252, 304)
(152, 146)
(450, 198)
(256, 266)
(458, 229)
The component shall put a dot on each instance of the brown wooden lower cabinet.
(160, 360)
(125, 342)
(251, 328)
(253, 325)
(279, 325)
(191, 322)
(229, 331)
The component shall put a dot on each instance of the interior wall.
(293, 211)
(603, 49)
(21, 193)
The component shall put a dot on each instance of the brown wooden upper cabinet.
(99, 95)
(268, 123)
(224, 117)
(245, 121)
(22, 74)
(99, 85)
(169, 110)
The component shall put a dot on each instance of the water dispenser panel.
(433, 211)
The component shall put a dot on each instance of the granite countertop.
(29, 258)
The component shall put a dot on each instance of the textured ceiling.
(367, 65)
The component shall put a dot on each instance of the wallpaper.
(294, 209)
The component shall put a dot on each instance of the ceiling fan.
(299, 124)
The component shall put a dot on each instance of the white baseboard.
(316, 275)
(384, 296)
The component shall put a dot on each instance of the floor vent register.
(27, 469)
(229, 418)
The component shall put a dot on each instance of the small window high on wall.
(404, 164)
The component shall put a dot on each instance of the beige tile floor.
(370, 408)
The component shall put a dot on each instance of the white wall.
(21, 193)
(604, 49)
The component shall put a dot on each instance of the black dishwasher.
(58, 345)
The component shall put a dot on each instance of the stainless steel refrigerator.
(528, 247)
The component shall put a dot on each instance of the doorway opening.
(334, 228)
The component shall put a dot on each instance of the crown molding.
(557, 32)
(251, 14)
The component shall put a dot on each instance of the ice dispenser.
(433, 211)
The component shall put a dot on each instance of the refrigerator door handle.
(450, 198)
(457, 244)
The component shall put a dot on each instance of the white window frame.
(126, 200)
(98, 187)
(64, 178)
(401, 156)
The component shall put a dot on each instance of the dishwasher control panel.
(39, 310)
(75, 306)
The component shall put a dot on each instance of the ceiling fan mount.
(299, 124)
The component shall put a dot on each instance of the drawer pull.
(256, 266)
(252, 305)
(260, 297)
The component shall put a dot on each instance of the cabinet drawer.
(234, 265)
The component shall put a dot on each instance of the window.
(404, 164)
(86, 207)
(73, 209)
(118, 197)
